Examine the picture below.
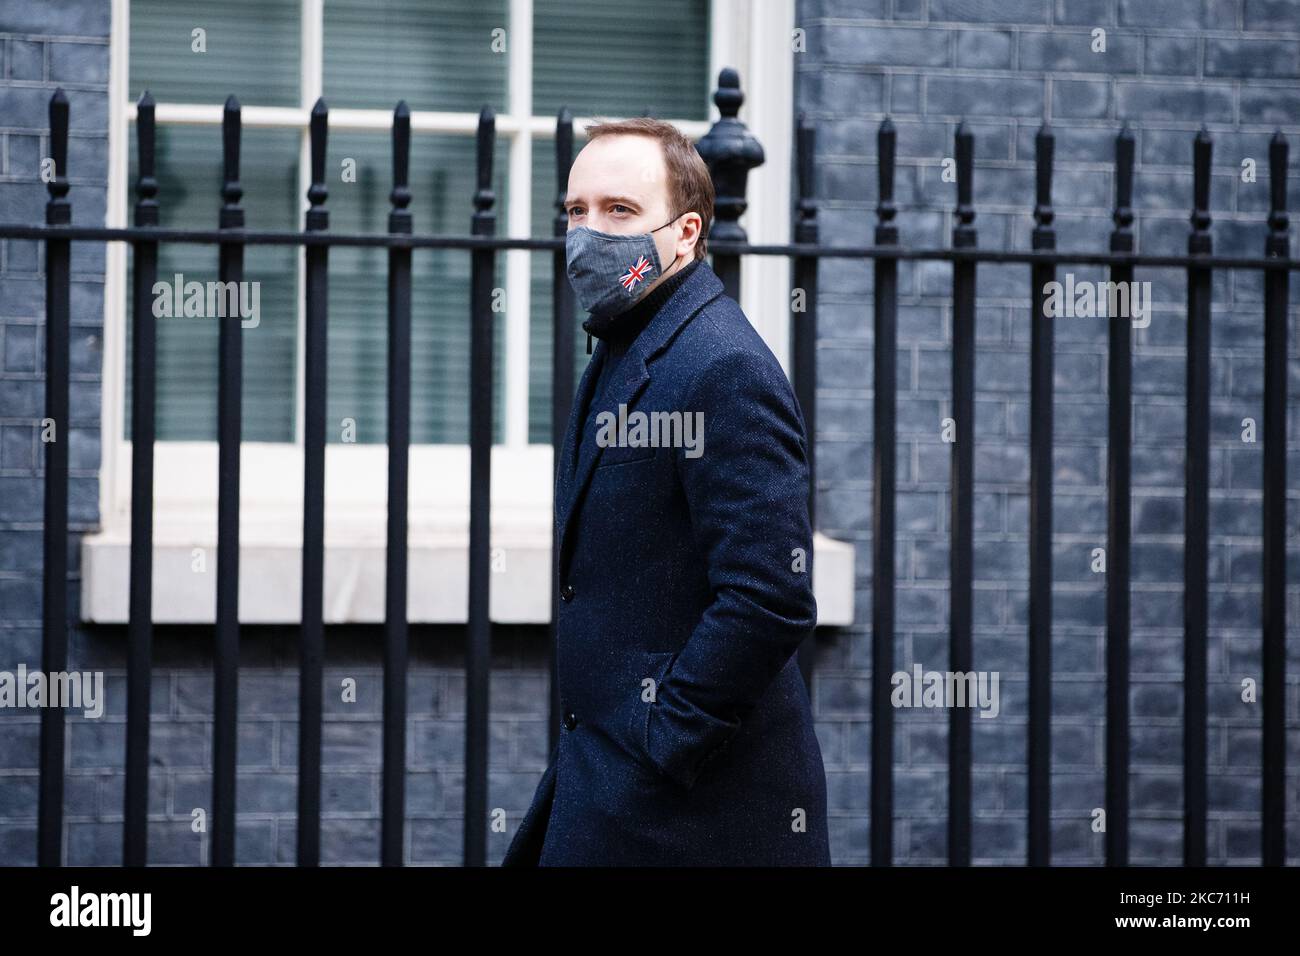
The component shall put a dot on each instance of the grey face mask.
(608, 272)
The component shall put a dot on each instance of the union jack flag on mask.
(635, 274)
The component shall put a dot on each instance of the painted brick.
(990, 11)
(1246, 58)
(1171, 55)
(978, 96)
(1151, 101)
(947, 59)
(1271, 16)
(1073, 52)
(985, 49)
(79, 62)
(845, 9)
(885, 46)
(1161, 13)
(1080, 99)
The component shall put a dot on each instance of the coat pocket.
(625, 454)
(654, 666)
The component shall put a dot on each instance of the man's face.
(619, 184)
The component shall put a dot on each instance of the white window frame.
(185, 479)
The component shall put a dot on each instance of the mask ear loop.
(671, 221)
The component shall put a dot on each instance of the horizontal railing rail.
(729, 152)
(788, 250)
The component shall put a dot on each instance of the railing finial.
(146, 187)
(730, 151)
(963, 233)
(484, 197)
(886, 141)
(1044, 152)
(1121, 238)
(58, 211)
(317, 216)
(1279, 240)
(805, 228)
(231, 188)
(728, 97)
(1199, 242)
(563, 162)
(399, 218)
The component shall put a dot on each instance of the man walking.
(685, 557)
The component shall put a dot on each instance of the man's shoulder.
(720, 338)
(720, 362)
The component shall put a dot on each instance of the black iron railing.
(730, 152)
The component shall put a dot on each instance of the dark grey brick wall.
(43, 46)
(181, 748)
(1005, 66)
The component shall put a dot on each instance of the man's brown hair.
(690, 187)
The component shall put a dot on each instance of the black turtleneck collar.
(621, 329)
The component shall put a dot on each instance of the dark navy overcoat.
(685, 578)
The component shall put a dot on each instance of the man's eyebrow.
(626, 200)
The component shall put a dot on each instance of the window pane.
(435, 54)
(189, 196)
(442, 189)
(610, 57)
(252, 51)
(637, 83)
(541, 313)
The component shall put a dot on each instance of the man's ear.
(699, 221)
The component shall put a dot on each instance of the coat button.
(570, 720)
(566, 592)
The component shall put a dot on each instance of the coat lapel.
(701, 287)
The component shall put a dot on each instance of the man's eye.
(575, 211)
(618, 206)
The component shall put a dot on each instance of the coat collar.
(699, 288)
